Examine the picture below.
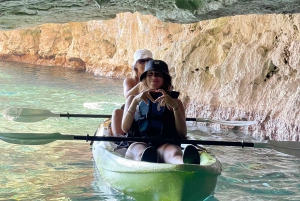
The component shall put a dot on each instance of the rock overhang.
(24, 13)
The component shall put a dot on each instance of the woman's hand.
(165, 99)
(144, 96)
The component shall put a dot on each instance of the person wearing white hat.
(131, 86)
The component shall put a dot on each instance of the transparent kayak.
(154, 181)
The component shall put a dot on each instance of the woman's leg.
(116, 122)
(136, 150)
(170, 153)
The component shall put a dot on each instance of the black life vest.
(153, 120)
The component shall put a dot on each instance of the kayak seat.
(121, 147)
(150, 155)
(121, 151)
(191, 155)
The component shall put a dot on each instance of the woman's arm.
(130, 108)
(130, 87)
(179, 114)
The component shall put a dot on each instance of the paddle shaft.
(229, 123)
(29, 115)
(207, 120)
(287, 147)
(101, 116)
(86, 115)
(135, 139)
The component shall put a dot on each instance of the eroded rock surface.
(24, 13)
(233, 68)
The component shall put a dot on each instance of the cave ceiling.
(23, 13)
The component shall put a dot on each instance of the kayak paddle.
(287, 147)
(29, 115)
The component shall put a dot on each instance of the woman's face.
(140, 66)
(154, 79)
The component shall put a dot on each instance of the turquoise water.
(64, 170)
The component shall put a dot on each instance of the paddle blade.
(227, 123)
(33, 138)
(27, 115)
(287, 147)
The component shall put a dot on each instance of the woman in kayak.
(130, 87)
(154, 113)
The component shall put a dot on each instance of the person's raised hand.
(165, 99)
(145, 95)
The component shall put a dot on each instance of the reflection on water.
(59, 170)
(44, 172)
(60, 91)
(64, 170)
(252, 173)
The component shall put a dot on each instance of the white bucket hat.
(141, 54)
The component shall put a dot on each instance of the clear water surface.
(64, 170)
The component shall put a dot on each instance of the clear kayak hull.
(155, 181)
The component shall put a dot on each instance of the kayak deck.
(155, 181)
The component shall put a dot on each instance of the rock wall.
(232, 68)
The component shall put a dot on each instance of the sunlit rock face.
(233, 68)
(24, 13)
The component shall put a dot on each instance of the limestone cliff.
(232, 68)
